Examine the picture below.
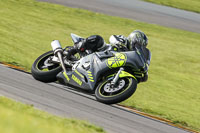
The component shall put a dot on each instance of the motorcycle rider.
(96, 43)
(135, 39)
(118, 43)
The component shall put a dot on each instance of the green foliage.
(190, 5)
(20, 118)
(27, 28)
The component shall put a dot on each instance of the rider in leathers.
(118, 43)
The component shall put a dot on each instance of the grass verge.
(20, 118)
(190, 5)
(27, 28)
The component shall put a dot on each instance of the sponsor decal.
(66, 76)
(90, 76)
(76, 80)
(79, 74)
(117, 61)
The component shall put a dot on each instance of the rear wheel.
(125, 87)
(43, 69)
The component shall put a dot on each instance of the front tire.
(126, 86)
(43, 70)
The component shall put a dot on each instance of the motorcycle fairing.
(86, 72)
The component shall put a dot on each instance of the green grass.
(20, 118)
(27, 28)
(190, 5)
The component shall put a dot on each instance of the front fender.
(126, 74)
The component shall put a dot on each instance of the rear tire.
(126, 87)
(49, 73)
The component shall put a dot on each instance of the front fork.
(120, 74)
(58, 52)
(114, 81)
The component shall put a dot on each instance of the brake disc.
(48, 63)
(108, 88)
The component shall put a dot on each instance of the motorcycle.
(111, 75)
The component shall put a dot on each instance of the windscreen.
(75, 38)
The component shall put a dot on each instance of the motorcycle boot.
(92, 43)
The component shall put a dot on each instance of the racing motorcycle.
(111, 75)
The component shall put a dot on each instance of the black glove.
(71, 51)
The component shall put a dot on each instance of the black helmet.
(94, 43)
(137, 37)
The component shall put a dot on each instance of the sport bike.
(111, 75)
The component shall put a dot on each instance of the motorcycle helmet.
(119, 41)
(94, 43)
(137, 37)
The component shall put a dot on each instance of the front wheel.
(43, 69)
(125, 87)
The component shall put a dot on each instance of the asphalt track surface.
(68, 102)
(140, 11)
